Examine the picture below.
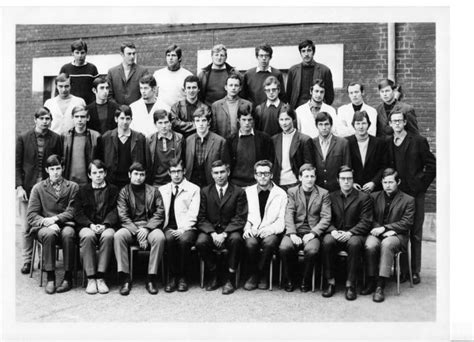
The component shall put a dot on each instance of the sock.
(151, 277)
(124, 277)
(68, 275)
(50, 276)
(99, 275)
(93, 276)
(381, 282)
(232, 276)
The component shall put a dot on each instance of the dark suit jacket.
(376, 160)
(27, 169)
(293, 86)
(86, 207)
(327, 169)
(401, 216)
(319, 212)
(94, 122)
(221, 118)
(216, 149)
(122, 90)
(138, 149)
(301, 152)
(182, 121)
(419, 167)
(226, 215)
(383, 127)
(355, 216)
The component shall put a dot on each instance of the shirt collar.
(259, 188)
(401, 136)
(74, 63)
(289, 134)
(269, 69)
(224, 188)
(275, 103)
(313, 104)
(251, 133)
(325, 140)
(169, 136)
(125, 134)
(100, 186)
(55, 184)
(38, 134)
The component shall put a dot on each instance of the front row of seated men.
(251, 224)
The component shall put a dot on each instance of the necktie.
(176, 190)
(221, 193)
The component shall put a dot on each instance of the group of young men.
(219, 161)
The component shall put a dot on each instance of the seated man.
(307, 217)
(181, 201)
(97, 219)
(394, 212)
(265, 223)
(141, 213)
(351, 220)
(50, 216)
(222, 216)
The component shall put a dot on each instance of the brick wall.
(365, 56)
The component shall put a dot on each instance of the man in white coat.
(345, 113)
(181, 200)
(265, 224)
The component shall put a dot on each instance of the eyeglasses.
(176, 172)
(397, 121)
(263, 174)
(271, 90)
(346, 179)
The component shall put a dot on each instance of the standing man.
(182, 111)
(61, 105)
(265, 224)
(292, 150)
(302, 76)
(351, 221)
(122, 147)
(308, 215)
(141, 212)
(81, 72)
(202, 149)
(101, 111)
(394, 213)
(181, 202)
(254, 78)
(33, 147)
(51, 219)
(221, 220)
(331, 153)
(307, 112)
(170, 79)
(224, 111)
(80, 146)
(124, 78)
(388, 93)
(346, 112)
(266, 113)
(214, 76)
(410, 155)
(97, 219)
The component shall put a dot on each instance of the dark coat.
(152, 142)
(182, 121)
(383, 127)
(123, 90)
(355, 216)
(94, 122)
(204, 78)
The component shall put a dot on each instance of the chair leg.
(237, 276)
(270, 275)
(40, 252)
(313, 280)
(131, 264)
(322, 277)
(33, 255)
(409, 264)
(280, 275)
(163, 279)
(398, 272)
(201, 271)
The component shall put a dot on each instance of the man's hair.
(54, 160)
(265, 47)
(219, 163)
(78, 109)
(344, 168)
(386, 82)
(403, 113)
(306, 43)
(351, 84)
(136, 166)
(99, 80)
(263, 162)
(43, 111)
(243, 110)
(359, 116)
(62, 77)
(161, 114)
(175, 48)
(234, 76)
(306, 167)
(286, 108)
(148, 79)
(323, 116)
(192, 79)
(123, 109)
(129, 45)
(390, 172)
(79, 45)
(99, 164)
(318, 82)
(270, 80)
(175, 162)
(202, 112)
(218, 48)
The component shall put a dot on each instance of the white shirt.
(224, 189)
(275, 103)
(286, 175)
(325, 144)
(346, 114)
(306, 123)
(170, 85)
(269, 69)
(363, 149)
(62, 122)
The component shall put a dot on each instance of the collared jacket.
(220, 123)
(125, 90)
(383, 126)
(182, 121)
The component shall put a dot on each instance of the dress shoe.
(263, 283)
(171, 285)
(64, 287)
(151, 288)
(182, 285)
(379, 296)
(228, 288)
(351, 293)
(50, 287)
(125, 289)
(289, 286)
(102, 286)
(304, 287)
(91, 286)
(368, 289)
(251, 283)
(416, 278)
(330, 290)
(213, 283)
(26, 268)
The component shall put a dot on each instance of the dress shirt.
(268, 69)
(325, 144)
(275, 103)
(363, 145)
(251, 133)
(100, 186)
(224, 189)
(398, 140)
(164, 138)
(123, 137)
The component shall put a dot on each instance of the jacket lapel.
(370, 149)
(295, 142)
(134, 137)
(331, 145)
(209, 144)
(278, 147)
(312, 198)
(318, 147)
(227, 195)
(302, 197)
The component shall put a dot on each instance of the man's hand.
(377, 231)
(21, 194)
(93, 227)
(389, 233)
(345, 236)
(142, 234)
(176, 233)
(336, 234)
(54, 227)
(264, 232)
(368, 187)
(357, 186)
(48, 221)
(248, 234)
(218, 239)
(308, 237)
(99, 228)
(296, 239)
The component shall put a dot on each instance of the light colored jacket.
(306, 123)
(62, 122)
(345, 114)
(142, 120)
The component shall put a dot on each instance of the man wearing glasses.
(266, 113)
